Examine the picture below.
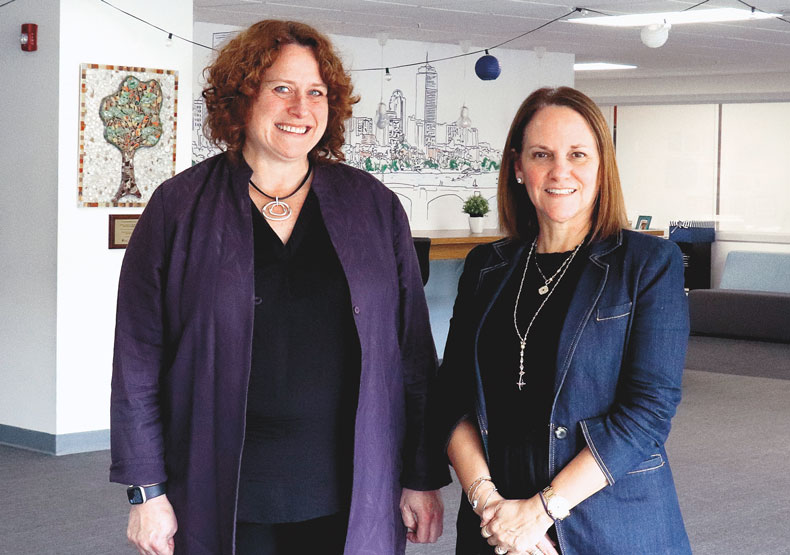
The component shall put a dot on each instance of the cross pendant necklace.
(520, 383)
(522, 340)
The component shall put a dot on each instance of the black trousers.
(325, 535)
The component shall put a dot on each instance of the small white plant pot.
(476, 224)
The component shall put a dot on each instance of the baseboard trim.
(63, 444)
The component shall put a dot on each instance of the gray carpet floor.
(729, 450)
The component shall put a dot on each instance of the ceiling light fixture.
(655, 34)
(715, 15)
(600, 66)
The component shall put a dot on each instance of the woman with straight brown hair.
(563, 364)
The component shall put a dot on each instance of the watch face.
(135, 496)
(558, 507)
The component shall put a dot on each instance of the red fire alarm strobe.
(29, 37)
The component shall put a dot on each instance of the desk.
(456, 243)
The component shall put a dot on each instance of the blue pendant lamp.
(487, 67)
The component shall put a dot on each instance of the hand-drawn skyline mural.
(127, 133)
(432, 165)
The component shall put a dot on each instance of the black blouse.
(518, 419)
(302, 397)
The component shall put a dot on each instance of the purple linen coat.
(183, 344)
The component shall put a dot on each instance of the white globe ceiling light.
(655, 35)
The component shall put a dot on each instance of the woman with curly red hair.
(273, 349)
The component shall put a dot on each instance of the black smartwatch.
(140, 494)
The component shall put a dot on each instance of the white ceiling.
(760, 46)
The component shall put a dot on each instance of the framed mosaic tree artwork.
(127, 138)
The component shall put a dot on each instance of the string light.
(581, 10)
(170, 35)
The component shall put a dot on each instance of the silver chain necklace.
(523, 339)
(543, 289)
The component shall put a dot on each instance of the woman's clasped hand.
(517, 525)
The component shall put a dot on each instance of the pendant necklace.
(277, 210)
(543, 289)
(523, 339)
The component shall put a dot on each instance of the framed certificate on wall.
(121, 227)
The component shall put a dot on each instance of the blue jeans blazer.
(619, 367)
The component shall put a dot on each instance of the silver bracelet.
(487, 498)
(474, 500)
(473, 488)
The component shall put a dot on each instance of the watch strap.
(545, 496)
(138, 495)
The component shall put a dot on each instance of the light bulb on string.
(382, 118)
(169, 40)
(464, 121)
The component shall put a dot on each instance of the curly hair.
(517, 214)
(234, 82)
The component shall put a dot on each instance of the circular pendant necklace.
(522, 340)
(277, 210)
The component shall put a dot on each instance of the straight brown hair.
(517, 214)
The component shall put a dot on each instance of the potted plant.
(477, 207)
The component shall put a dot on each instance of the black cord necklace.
(277, 210)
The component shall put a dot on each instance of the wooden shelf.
(656, 232)
(447, 244)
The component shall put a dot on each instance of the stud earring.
(519, 180)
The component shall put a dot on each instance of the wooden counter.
(456, 243)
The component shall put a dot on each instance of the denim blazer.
(619, 367)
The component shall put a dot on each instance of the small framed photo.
(643, 223)
(121, 227)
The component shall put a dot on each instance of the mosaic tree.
(131, 121)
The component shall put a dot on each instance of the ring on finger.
(499, 550)
(485, 532)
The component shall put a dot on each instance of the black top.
(302, 398)
(518, 419)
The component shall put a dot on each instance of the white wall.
(87, 273)
(28, 217)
